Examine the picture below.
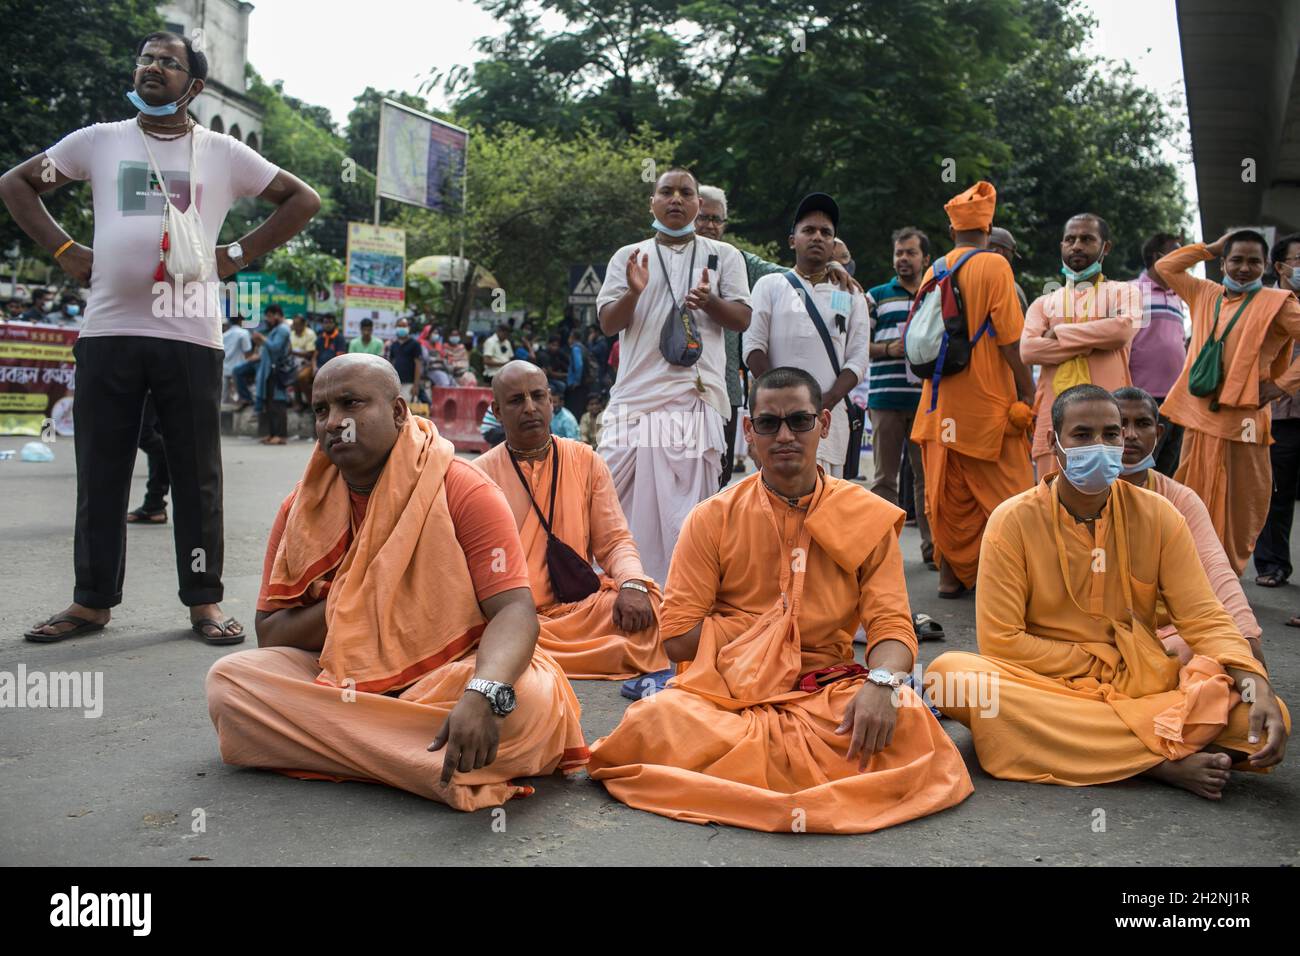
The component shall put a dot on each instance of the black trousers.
(1273, 547)
(114, 375)
(274, 420)
(1169, 448)
(151, 443)
(729, 456)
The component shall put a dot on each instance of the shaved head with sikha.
(521, 401)
(359, 411)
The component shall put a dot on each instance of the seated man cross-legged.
(396, 627)
(772, 725)
(1073, 575)
(595, 626)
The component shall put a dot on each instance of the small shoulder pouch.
(572, 578)
(1206, 374)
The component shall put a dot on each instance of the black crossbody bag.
(572, 578)
(857, 416)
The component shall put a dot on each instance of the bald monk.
(1072, 575)
(772, 726)
(1081, 332)
(973, 434)
(395, 626)
(1142, 430)
(1225, 457)
(611, 632)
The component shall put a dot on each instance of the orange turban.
(973, 209)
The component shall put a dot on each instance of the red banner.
(36, 378)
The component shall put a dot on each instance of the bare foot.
(95, 614)
(1203, 774)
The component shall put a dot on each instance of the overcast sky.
(392, 44)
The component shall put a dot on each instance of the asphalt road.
(132, 786)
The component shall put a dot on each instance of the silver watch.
(500, 696)
(884, 677)
(635, 586)
(236, 253)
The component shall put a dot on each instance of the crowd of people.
(421, 617)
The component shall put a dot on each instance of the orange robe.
(1225, 453)
(1071, 686)
(581, 635)
(974, 458)
(1092, 322)
(1223, 581)
(403, 626)
(731, 740)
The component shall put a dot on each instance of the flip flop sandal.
(140, 516)
(212, 624)
(1270, 580)
(644, 685)
(83, 626)
(927, 628)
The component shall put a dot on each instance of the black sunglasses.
(771, 424)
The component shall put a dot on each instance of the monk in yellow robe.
(606, 629)
(1140, 420)
(772, 725)
(396, 628)
(1073, 687)
(1226, 434)
(1079, 333)
(973, 431)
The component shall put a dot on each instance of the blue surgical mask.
(1083, 274)
(402, 331)
(1148, 462)
(1092, 468)
(436, 338)
(1232, 285)
(1294, 280)
(166, 109)
(73, 310)
(454, 340)
(686, 230)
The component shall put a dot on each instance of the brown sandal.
(223, 634)
(140, 516)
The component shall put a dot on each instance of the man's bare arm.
(506, 647)
(295, 204)
(683, 647)
(300, 627)
(758, 362)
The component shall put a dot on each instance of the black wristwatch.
(500, 696)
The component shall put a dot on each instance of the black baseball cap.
(817, 202)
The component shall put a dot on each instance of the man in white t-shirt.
(146, 330)
(237, 346)
(662, 432)
(496, 352)
(784, 331)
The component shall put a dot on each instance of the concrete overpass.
(1243, 103)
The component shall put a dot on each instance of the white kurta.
(661, 436)
(782, 328)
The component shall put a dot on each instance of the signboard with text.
(37, 374)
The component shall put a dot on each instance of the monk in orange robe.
(1079, 333)
(610, 632)
(1140, 420)
(1226, 434)
(973, 432)
(1071, 685)
(771, 725)
(396, 627)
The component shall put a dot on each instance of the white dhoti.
(664, 462)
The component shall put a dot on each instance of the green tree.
(300, 265)
(63, 66)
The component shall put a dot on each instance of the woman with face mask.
(1239, 361)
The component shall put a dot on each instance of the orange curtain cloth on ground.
(1094, 322)
(1071, 686)
(730, 740)
(974, 458)
(402, 614)
(1225, 456)
(581, 636)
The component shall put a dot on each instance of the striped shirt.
(891, 385)
(1158, 351)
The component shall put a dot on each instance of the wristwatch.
(500, 696)
(884, 677)
(634, 585)
(236, 253)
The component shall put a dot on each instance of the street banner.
(375, 287)
(421, 158)
(37, 373)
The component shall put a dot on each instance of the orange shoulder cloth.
(402, 602)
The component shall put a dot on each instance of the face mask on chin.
(686, 230)
(1148, 462)
(1092, 468)
(165, 109)
(1232, 285)
(1082, 274)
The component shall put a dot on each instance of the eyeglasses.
(771, 424)
(166, 62)
(715, 220)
